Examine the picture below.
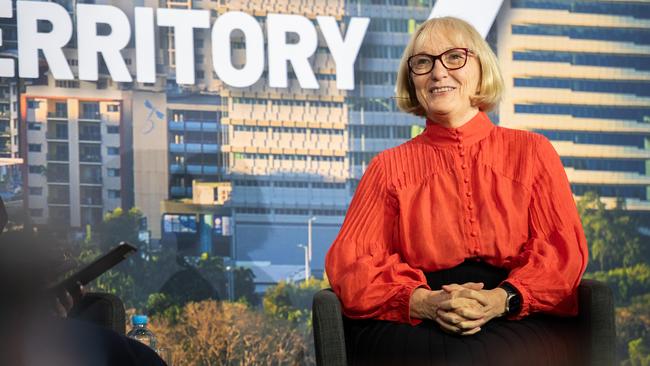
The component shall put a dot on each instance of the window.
(636, 87)
(34, 126)
(113, 150)
(253, 210)
(35, 169)
(58, 194)
(70, 84)
(179, 223)
(35, 191)
(113, 129)
(113, 193)
(113, 172)
(89, 110)
(599, 111)
(291, 211)
(35, 147)
(58, 173)
(90, 174)
(90, 153)
(57, 151)
(89, 195)
(32, 104)
(90, 131)
(113, 108)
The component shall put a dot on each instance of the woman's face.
(451, 104)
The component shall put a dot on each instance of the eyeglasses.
(452, 59)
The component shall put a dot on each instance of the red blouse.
(476, 191)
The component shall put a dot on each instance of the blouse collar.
(470, 132)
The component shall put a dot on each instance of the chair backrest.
(101, 309)
(329, 337)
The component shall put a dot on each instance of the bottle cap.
(139, 320)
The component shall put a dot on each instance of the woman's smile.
(441, 91)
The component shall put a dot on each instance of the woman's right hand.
(425, 303)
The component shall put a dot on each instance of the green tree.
(639, 350)
(612, 236)
(120, 226)
(292, 301)
(625, 282)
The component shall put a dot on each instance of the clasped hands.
(459, 309)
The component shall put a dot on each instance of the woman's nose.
(439, 71)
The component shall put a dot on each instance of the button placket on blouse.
(466, 180)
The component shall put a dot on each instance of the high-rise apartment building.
(578, 72)
(73, 159)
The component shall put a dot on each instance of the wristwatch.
(513, 300)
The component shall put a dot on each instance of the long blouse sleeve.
(366, 273)
(548, 269)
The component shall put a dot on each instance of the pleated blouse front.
(478, 191)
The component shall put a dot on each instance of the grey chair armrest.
(328, 329)
(102, 309)
(596, 314)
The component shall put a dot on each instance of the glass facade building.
(578, 73)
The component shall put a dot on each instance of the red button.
(464, 166)
(472, 220)
(474, 233)
(466, 180)
(470, 206)
(461, 153)
(460, 146)
(469, 193)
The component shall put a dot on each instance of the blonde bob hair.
(461, 34)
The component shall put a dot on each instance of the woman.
(458, 241)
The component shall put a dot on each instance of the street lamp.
(306, 261)
(309, 246)
(231, 283)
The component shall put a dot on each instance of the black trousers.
(536, 340)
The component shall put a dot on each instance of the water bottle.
(140, 332)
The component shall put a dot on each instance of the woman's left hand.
(454, 316)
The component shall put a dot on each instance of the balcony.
(95, 137)
(176, 126)
(90, 116)
(58, 199)
(58, 114)
(57, 135)
(210, 127)
(91, 200)
(210, 170)
(193, 126)
(193, 148)
(176, 168)
(194, 169)
(58, 156)
(178, 191)
(177, 148)
(90, 158)
(57, 177)
(210, 148)
(90, 179)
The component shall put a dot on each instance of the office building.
(578, 72)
